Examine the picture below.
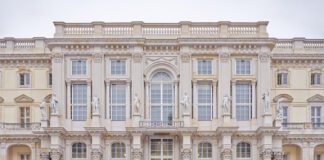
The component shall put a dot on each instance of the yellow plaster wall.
(15, 152)
(293, 152)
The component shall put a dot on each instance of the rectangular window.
(79, 67)
(118, 102)
(316, 116)
(204, 102)
(24, 79)
(285, 116)
(79, 102)
(50, 79)
(118, 67)
(204, 66)
(161, 149)
(24, 117)
(316, 78)
(282, 78)
(243, 101)
(24, 157)
(243, 67)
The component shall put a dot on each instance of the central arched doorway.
(19, 152)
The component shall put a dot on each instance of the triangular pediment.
(48, 98)
(1, 99)
(286, 97)
(316, 98)
(24, 99)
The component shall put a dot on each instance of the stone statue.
(279, 109)
(226, 104)
(266, 99)
(95, 105)
(43, 110)
(136, 104)
(185, 103)
(54, 102)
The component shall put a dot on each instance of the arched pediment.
(316, 98)
(48, 98)
(24, 99)
(152, 68)
(1, 99)
(287, 98)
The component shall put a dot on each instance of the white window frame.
(161, 157)
(117, 104)
(82, 69)
(118, 67)
(27, 83)
(315, 118)
(204, 156)
(24, 117)
(163, 106)
(249, 105)
(204, 67)
(84, 146)
(240, 152)
(120, 148)
(206, 105)
(316, 79)
(283, 80)
(246, 70)
(73, 105)
(285, 118)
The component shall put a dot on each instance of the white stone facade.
(165, 91)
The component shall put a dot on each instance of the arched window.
(205, 150)
(243, 150)
(161, 98)
(118, 150)
(79, 150)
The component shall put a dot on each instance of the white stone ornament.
(279, 111)
(43, 110)
(136, 104)
(54, 106)
(226, 104)
(266, 100)
(95, 105)
(185, 103)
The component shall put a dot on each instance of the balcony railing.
(293, 125)
(161, 124)
(20, 126)
(318, 125)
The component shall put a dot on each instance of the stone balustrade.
(299, 45)
(167, 30)
(11, 45)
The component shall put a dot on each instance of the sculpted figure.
(136, 104)
(185, 103)
(279, 109)
(266, 99)
(54, 107)
(95, 105)
(43, 110)
(226, 104)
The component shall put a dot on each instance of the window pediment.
(316, 98)
(287, 97)
(24, 99)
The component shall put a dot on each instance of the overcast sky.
(288, 18)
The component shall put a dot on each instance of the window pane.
(204, 66)
(118, 150)
(79, 102)
(79, 67)
(118, 67)
(204, 102)
(79, 150)
(118, 102)
(243, 101)
(243, 67)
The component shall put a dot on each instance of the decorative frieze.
(186, 154)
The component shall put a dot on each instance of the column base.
(136, 119)
(227, 120)
(44, 123)
(187, 120)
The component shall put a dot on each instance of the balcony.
(20, 126)
(302, 126)
(161, 124)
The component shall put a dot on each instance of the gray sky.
(288, 18)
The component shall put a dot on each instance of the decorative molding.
(96, 154)
(266, 154)
(186, 154)
(278, 155)
(316, 98)
(44, 155)
(185, 57)
(265, 57)
(56, 153)
(224, 57)
(24, 99)
(287, 97)
(97, 57)
(48, 98)
(137, 57)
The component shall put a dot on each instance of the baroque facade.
(161, 91)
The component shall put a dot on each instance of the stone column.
(137, 75)
(147, 100)
(253, 116)
(68, 99)
(176, 100)
(224, 74)
(89, 99)
(137, 151)
(233, 98)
